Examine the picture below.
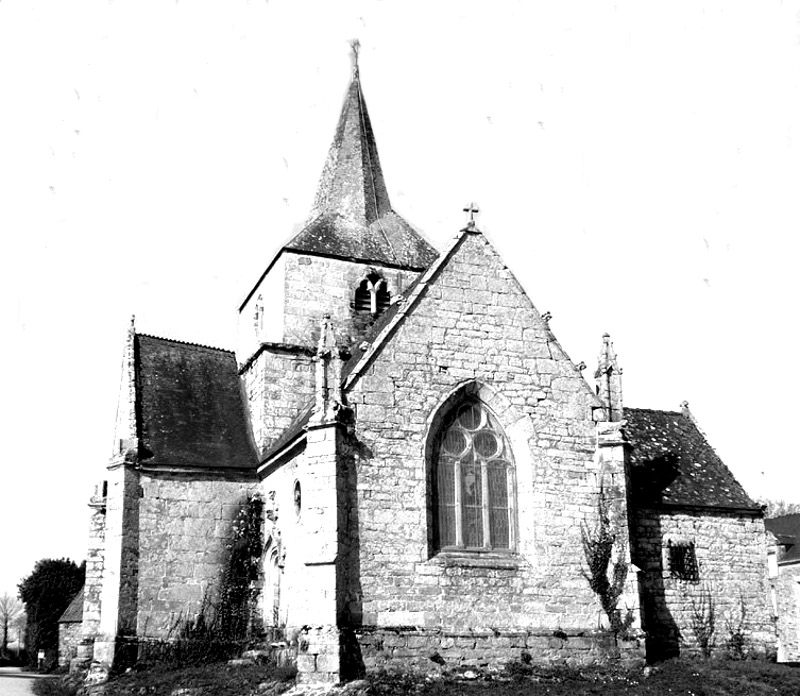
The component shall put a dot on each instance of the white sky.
(636, 165)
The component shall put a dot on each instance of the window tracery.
(473, 481)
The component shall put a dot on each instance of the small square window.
(683, 561)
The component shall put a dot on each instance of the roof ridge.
(185, 343)
(652, 410)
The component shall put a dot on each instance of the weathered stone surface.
(786, 594)
(181, 558)
(731, 557)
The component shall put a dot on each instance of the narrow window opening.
(298, 499)
(258, 316)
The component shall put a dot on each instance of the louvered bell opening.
(363, 301)
(382, 298)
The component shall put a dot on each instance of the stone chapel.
(431, 464)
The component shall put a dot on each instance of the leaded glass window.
(473, 480)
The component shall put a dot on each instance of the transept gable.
(469, 301)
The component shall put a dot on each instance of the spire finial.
(355, 45)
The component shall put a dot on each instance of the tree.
(778, 508)
(599, 546)
(47, 592)
(10, 611)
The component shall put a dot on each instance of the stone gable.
(473, 324)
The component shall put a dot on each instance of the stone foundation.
(422, 650)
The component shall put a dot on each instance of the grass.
(218, 679)
(674, 678)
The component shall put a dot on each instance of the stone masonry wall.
(69, 637)
(422, 649)
(284, 547)
(475, 326)
(121, 553)
(732, 564)
(186, 525)
(316, 285)
(787, 597)
(94, 564)
(278, 383)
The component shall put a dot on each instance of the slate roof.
(190, 408)
(673, 464)
(786, 529)
(74, 612)
(352, 216)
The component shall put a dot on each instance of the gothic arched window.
(372, 295)
(473, 481)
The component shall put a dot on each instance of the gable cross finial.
(472, 210)
(355, 45)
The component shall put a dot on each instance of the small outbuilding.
(69, 630)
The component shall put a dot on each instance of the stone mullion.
(373, 298)
(459, 510)
(485, 503)
(511, 486)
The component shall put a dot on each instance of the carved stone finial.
(608, 377)
(328, 374)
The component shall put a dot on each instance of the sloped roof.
(293, 430)
(673, 464)
(352, 216)
(786, 528)
(190, 408)
(74, 612)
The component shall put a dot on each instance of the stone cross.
(471, 210)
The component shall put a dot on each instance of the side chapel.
(428, 456)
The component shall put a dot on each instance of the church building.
(437, 478)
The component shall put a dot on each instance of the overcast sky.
(636, 164)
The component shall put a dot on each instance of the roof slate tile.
(190, 406)
(672, 463)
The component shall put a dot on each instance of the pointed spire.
(352, 183)
(352, 215)
(608, 378)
